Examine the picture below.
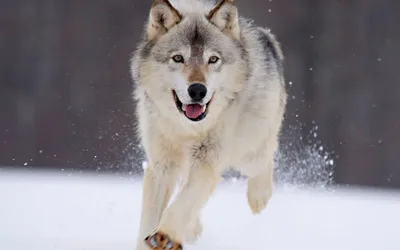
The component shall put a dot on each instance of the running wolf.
(210, 95)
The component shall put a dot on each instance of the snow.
(43, 211)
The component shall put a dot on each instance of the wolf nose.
(197, 91)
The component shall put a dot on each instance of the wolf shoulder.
(262, 44)
(271, 49)
(270, 43)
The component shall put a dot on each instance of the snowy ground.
(82, 212)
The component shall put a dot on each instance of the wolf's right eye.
(178, 58)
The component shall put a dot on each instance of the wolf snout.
(197, 92)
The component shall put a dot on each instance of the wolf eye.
(213, 59)
(178, 58)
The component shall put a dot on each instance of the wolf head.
(191, 63)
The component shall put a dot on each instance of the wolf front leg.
(201, 182)
(158, 185)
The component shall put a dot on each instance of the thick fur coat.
(210, 95)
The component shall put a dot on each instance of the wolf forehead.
(193, 33)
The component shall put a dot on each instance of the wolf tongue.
(194, 110)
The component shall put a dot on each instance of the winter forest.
(66, 88)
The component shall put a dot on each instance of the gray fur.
(242, 110)
(197, 34)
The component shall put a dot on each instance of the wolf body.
(210, 95)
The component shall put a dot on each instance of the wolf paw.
(258, 195)
(194, 232)
(161, 241)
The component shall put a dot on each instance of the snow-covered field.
(43, 211)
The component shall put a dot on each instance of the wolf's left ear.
(225, 16)
(163, 16)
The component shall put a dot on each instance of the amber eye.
(213, 59)
(178, 58)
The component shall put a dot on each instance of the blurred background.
(65, 86)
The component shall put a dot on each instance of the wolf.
(210, 95)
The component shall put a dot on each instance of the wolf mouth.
(194, 111)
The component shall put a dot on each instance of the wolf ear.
(163, 16)
(225, 16)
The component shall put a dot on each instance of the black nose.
(197, 91)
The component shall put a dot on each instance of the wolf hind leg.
(259, 190)
(259, 169)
